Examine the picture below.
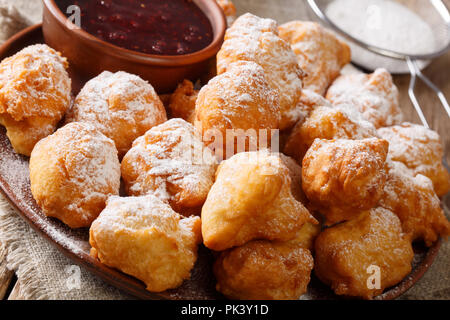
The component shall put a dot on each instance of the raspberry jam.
(162, 27)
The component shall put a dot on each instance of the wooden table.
(285, 10)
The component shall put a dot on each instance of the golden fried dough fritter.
(305, 237)
(165, 99)
(319, 53)
(229, 10)
(414, 201)
(327, 123)
(374, 95)
(171, 162)
(309, 101)
(344, 177)
(252, 199)
(182, 102)
(262, 270)
(121, 105)
(73, 172)
(256, 39)
(309, 231)
(145, 238)
(295, 172)
(349, 254)
(420, 149)
(240, 103)
(34, 95)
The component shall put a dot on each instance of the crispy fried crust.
(255, 39)
(261, 270)
(319, 53)
(171, 162)
(344, 177)
(73, 172)
(35, 93)
(121, 105)
(145, 238)
(374, 95)
(414, 201)
(420, 149)
(327, 123)
(182, 102)
(346, 251)
(238, 102)
(251, 199)
(229, 10)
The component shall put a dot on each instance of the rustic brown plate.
(15, 184)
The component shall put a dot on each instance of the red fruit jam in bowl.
(160, 27)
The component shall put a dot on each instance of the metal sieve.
(433, 12)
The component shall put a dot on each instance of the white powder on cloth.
(385, 24)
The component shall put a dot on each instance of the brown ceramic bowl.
(90, 56)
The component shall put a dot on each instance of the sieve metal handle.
(416, 73)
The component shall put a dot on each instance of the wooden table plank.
(6, 275)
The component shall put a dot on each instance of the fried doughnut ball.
(228, 9)
(309, 231)
(348, 255)
(145, 238)
(165, 99)
(414, 201)
(305, 237)
(319, 53)
(420, 149)
(34, 95)
(256, 39)
(239, 101)
(309, 101)
(251, 199)
(121, 105)
(344, 177)
(262, 270)
(327, 123)
(374, 95)
(295, 173)
(171, 162)
(73, 172)
(182, 102)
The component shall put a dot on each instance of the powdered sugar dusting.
(319, 53)
(386, 24)
(243, 85)
(412, 198)
(420, 149)
(45, 70)
(134, 213)
(413, 140)
(14, 169)
(345, 175)
(92, 103)
(171, 154)
(374, 95)
(353, 127)
(121, 105)
(86, 159)
(256, 39)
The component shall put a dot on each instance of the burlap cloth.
(44, 273)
